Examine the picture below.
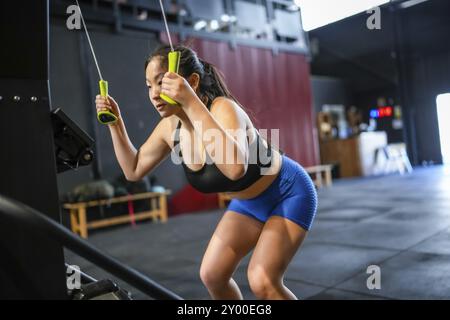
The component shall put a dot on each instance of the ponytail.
(212, 84)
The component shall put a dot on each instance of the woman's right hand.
(104, 104)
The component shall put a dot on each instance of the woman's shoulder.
(220, 101)
(222, 106)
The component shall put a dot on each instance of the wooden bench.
(321, 175)
(78, 211)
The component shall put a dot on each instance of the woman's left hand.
(177, 88)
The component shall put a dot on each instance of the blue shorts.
(291, 195)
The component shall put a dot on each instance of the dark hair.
(212, 83)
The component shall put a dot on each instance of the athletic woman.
(274, 200)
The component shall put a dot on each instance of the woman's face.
(153, 75)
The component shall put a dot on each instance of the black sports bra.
(209, 179)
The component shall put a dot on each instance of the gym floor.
(405, 231)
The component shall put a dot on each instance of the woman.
(274, 202)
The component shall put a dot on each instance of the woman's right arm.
(135, 164)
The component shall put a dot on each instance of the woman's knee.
(262, 283)
(213, 276)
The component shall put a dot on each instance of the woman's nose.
(155, 93)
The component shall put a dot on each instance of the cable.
(104, 117)
(89, 40)
(173, 57)
(165, 23)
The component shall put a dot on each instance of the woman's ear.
(194, 81)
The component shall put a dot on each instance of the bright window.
(317, 13)
(443, 111)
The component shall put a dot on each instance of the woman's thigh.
(277, 245)
(235, 236)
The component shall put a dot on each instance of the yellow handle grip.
(174, 64)
(174, 61)
(105, 117)
(103, 88)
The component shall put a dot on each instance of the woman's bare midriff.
(262, 183)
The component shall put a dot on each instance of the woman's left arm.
(222, 129)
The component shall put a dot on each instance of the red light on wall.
(388, 111)
(385, 112)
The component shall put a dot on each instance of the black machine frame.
(32, 238)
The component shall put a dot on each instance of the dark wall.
(430, 76)
(329, 90)
(74, 84)
(368, 100)
(426, 69)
